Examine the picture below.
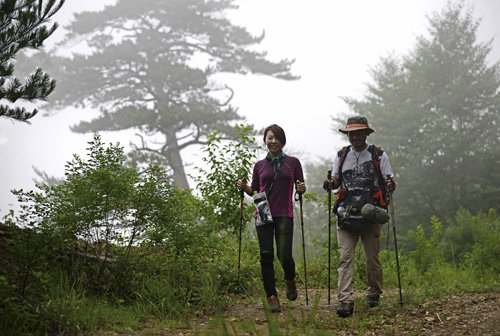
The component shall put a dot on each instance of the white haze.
(333, 42)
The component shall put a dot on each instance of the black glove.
(328, 185)
(390, 184)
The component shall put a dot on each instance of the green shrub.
(102, 210)
(130, 238)
(226, 161)
(427, 252)
(485, 253)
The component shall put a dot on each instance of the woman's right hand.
(241, 184)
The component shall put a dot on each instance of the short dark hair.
(278, 133)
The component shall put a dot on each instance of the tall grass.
(64, 309)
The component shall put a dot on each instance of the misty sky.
(333, 42)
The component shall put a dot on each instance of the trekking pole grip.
(298, 196)
(242, 190)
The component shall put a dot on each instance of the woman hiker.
(276, 175)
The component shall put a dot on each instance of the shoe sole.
(345, 315)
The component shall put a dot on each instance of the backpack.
(350, 217)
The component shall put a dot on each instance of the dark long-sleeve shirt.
(281, 193)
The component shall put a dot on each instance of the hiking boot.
(345, 309)
(372, 300)
(291, 290)
(274, 304)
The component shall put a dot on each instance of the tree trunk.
(175, 161)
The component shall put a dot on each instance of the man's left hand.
(391, 185)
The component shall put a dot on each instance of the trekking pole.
(239, 248)
(303, 243)
(395, 244)
(387, 242)
(329, 177)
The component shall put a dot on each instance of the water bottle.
(341, 210)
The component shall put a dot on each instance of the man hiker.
(364, 176)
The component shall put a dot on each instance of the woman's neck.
(275, 154)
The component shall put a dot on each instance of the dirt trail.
(465, 314)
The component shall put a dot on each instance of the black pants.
(282, 230)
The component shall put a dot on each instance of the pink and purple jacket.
(280, 196)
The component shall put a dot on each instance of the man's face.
(358, 138)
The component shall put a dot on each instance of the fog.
(334, 43)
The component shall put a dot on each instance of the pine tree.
(22, 25)
(435, 112)
(153, 67)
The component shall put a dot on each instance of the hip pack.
(349, 213)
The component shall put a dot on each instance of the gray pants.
(371, 245)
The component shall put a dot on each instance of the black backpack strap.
(342, 155)
(376, 155)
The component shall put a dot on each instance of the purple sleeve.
(255, 179)
(299, 175)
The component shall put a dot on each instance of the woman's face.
(273, 144)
